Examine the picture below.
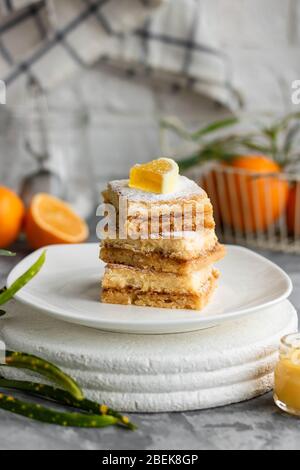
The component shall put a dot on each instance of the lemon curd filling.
(159, 176)
(287, 375)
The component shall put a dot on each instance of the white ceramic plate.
(67, 288)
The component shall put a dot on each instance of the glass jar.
(47, 150)
(287, 375)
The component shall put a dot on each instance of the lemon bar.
(139, 207)
(162, 263)
(145, 280)
(178, 245)
(161, 247)
(135, 227)
(129, 296)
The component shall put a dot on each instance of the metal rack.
(253, 209)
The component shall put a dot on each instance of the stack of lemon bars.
(165, 245)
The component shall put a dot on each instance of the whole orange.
(255, 194)
(11, 216)
(293, 210)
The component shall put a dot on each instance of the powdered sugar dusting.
(185, 188)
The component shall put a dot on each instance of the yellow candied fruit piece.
(159, 176)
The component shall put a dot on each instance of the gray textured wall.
(262, 40)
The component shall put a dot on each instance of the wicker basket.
(261, 211)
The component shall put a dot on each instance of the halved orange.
(50, 221)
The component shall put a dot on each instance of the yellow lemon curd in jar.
(287, 375)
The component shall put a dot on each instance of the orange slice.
(51, 221)
(159, 176)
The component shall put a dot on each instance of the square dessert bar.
(178, 245)
(169, 266)
(159, 262)
(153, 290)
(143, 280)
(188, 208)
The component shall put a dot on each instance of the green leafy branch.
(65, 398)
(278, 140)
(8, 294)
(90, 414)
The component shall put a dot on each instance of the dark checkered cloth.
(45, 41)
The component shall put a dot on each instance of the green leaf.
(205, 156)
(277, 140)
(188, 162)
(9, 293)
(252, 145)
(51, 416)
(40, 366)
(176, 126)
(6, 253)
(215, 126)
(290, 138)
(286, 120)
(64, 398)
